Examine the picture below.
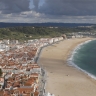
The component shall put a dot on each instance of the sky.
(41, 11)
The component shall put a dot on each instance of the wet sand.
(62, 79)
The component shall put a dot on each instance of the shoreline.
(70, 57)
(64, 79)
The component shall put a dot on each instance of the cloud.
(52, 7)
(14, 6)
(35, 17)
(36, 4)
(69, 7)
(65, 11)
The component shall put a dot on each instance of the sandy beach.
(62, 79)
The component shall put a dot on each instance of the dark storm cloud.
(51, 7)
(36, 4)
(69, 7)
(65, 11)
(14, 6)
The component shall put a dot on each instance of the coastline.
(71, 63)
(65, 80)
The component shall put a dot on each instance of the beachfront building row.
(6, 45)
(21, 75)
(81, 34)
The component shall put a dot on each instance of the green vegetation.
(25, 33)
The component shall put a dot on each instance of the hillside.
(29, 32)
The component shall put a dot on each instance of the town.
(21, 75)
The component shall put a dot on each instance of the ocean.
(83, 57)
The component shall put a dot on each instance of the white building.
(55, 39)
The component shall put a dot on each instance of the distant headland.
(48, 24)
